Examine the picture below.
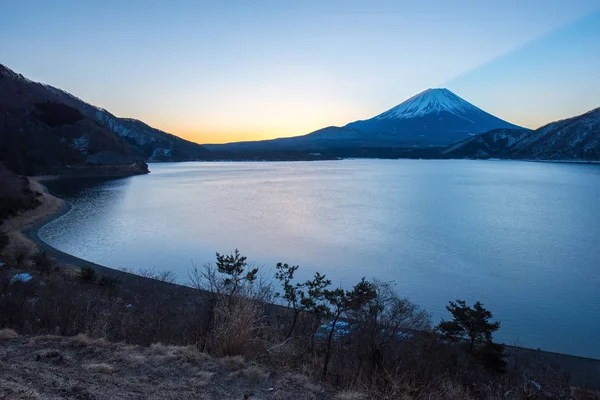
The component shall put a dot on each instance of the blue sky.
(237, 70)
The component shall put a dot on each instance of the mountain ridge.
(572, 139)
(148, 142)
(432, 118)
(39, 133)
(44, 129)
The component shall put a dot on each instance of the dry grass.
(253, 373)
(183, 353)
(235, 327)
(233, 362)
(16, 391)
(159, 353)
(82, 339)
(306, 383)
(8, 334)
(350, 395)
(100, 367)
(53, 367)
(204, 377)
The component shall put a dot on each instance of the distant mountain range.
(43, 128)
(433, 118)
(575, 139)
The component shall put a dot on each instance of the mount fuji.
(434, 118)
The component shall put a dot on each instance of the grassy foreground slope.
(57, 367)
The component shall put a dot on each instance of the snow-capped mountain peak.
(428, 102)
(434, 117)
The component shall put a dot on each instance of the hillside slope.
(145, 141)
(572, 139)
(38, 132)
(576, 138)
(55, 367)
(492, 144)
(43, 128)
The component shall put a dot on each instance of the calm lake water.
(523, 238)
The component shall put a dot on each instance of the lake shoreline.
(30, 232)
(585, 371)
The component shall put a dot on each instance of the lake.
(521, 237)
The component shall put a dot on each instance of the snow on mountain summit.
(428, 102)
(434, 117)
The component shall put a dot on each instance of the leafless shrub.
(236, 327)
(152, 273)
(207, 278)
(378, 336)
(388, 350)
(43, 264)
(18, 253)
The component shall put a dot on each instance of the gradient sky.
(224, 71)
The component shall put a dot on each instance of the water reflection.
(520, 237)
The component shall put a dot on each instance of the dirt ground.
(55, 367)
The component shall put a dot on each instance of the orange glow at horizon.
(219, 132)
(227, 136)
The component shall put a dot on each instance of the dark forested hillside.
(572, 139)
(43, 129)
(38, 132)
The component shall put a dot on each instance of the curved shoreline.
(32, 233)
(66, 260)
(585, 371)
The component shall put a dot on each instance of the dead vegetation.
(49, 367)
(7, 334)
(167, 341)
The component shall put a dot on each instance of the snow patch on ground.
(24, 277)
(120, 129)
(161, 153)
(81, 143)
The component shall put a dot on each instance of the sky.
(222, 71)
